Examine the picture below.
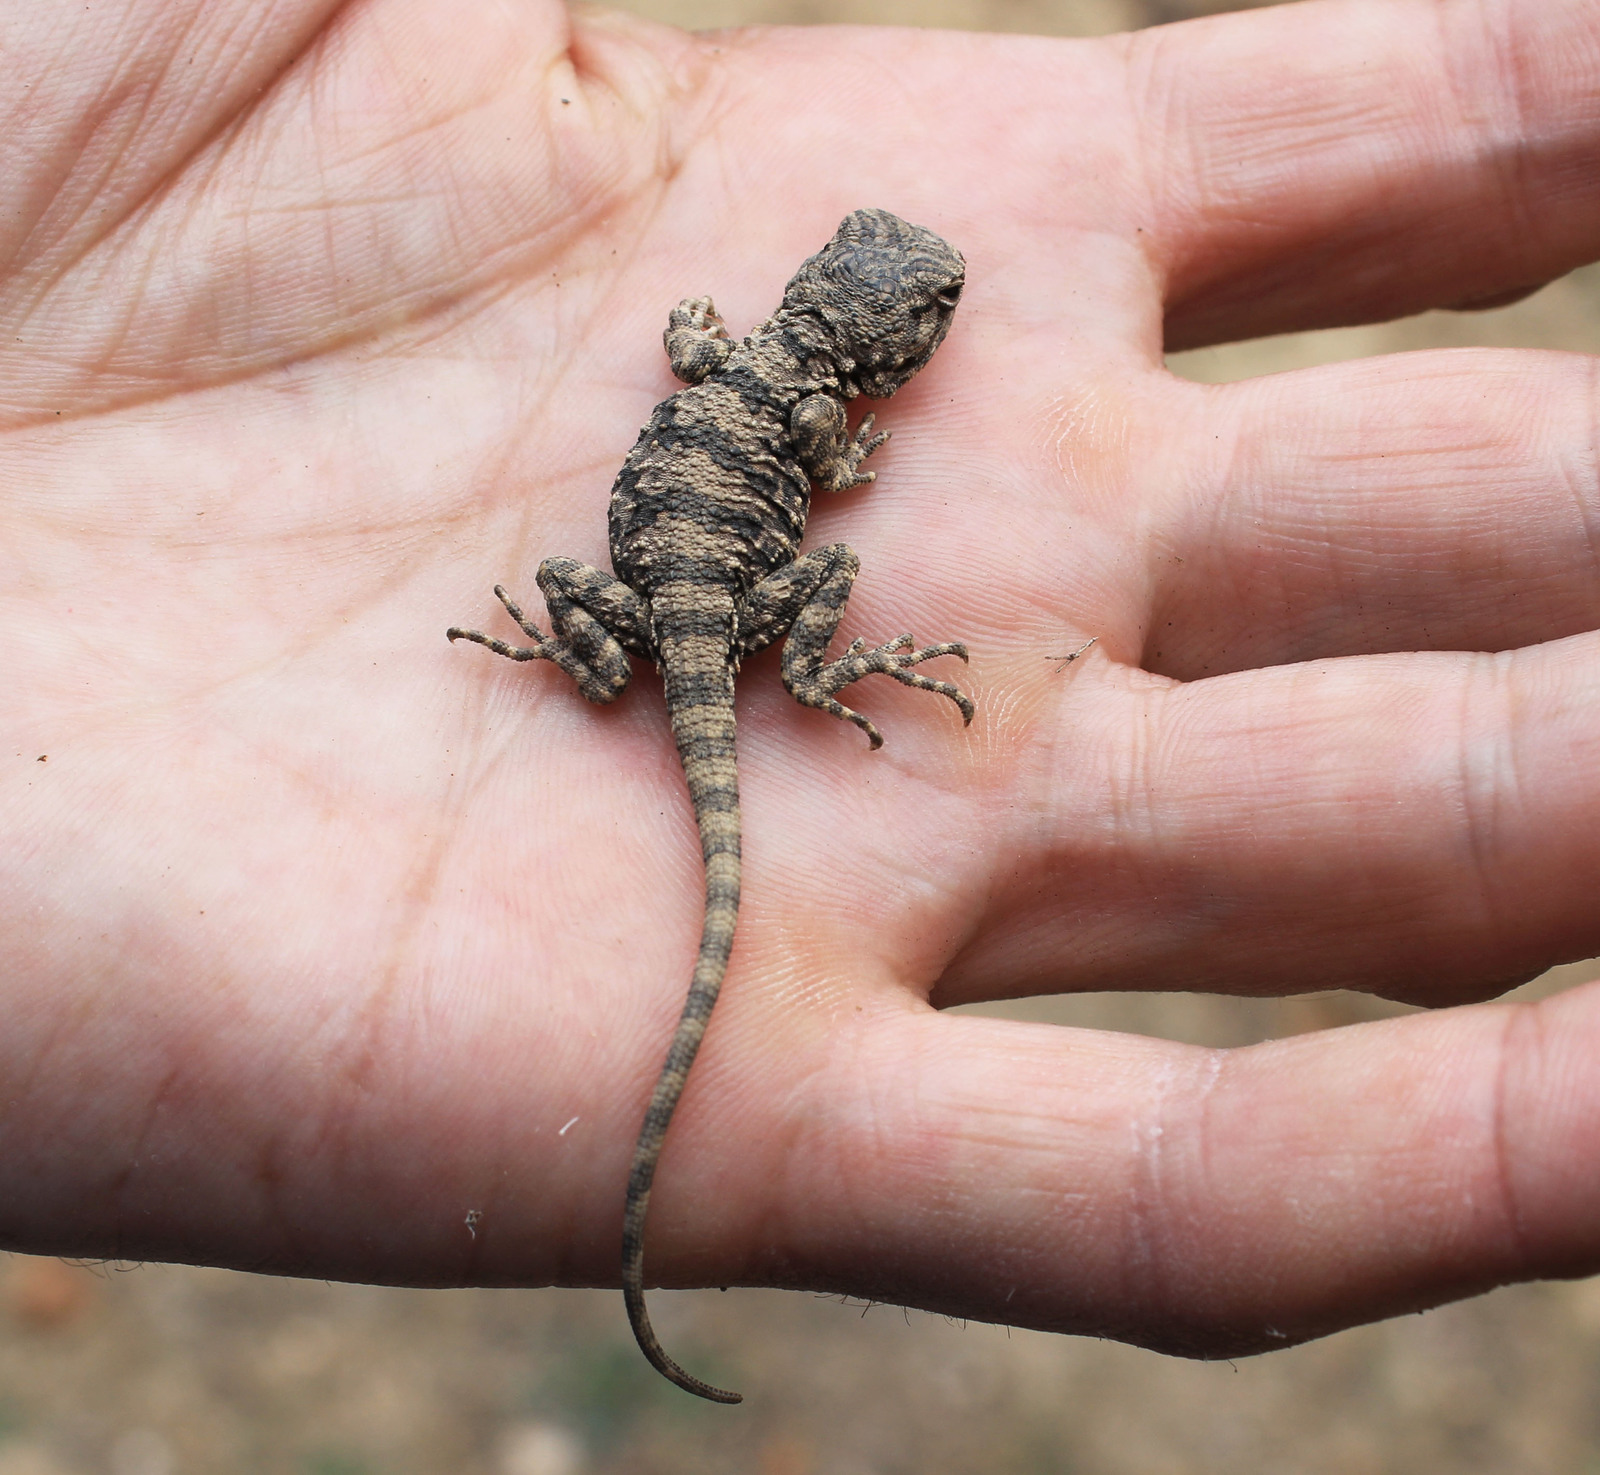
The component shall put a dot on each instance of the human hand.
(322, 936)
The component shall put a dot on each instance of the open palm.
(331, 948)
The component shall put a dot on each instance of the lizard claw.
(540, 650)
(894, 659)
(696, 340)
(699, 314)
(865, 441)
(901, 654)
(532, 631)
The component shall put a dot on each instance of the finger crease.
(1505, 1156)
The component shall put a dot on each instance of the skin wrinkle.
(115, 713)
(1211, 1073)
(320, 83)
(1147, 1236)
(1482, 783)
(95, 120)
(143, 201)
(536, 411)
(1504, 130)
(1140, 54)
(120, 1187)
(427, 876)
(1154, 129)
(374, 328)
(104, 114)
(803, 1135)
(355, 1076)
(61, 1031)
(677, 88)
(422, 884)
(402, 535)
(1584, 482)
(1208, 501)
(1519, 1021)
(284, 1249)
(138, 292)
(904, 958)
(412, 94)
(449, 315)
(262, 18)
(1133, 809)
(1152, 48)
(164, 73)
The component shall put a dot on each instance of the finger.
(1425, 827)
(1201, 1202)
(1359, 160)
(1444, 501)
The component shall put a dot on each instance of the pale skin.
(319, 935)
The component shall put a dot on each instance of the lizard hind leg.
(597, 621)
(808, 598)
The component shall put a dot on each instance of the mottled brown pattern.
(707, 515)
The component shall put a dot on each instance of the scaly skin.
(707, 514)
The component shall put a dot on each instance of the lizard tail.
(700, 699)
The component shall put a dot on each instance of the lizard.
(706, 519)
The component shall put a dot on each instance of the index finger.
(1350, 161)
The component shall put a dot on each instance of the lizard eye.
(950, 295)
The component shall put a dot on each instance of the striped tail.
(699, 685)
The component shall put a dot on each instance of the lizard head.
(884, 291)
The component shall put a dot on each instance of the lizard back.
(712, 489)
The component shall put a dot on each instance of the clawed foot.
(700, 315)
(696, 340)
(583, 644)
(540, 650)
(894, 659)
(862, 445)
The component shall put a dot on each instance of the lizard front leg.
(825, 447)
(807, 600)
(597, 620)
(696, 340)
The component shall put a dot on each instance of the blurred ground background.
(165, 1370)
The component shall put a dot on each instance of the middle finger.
(1425, 501)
